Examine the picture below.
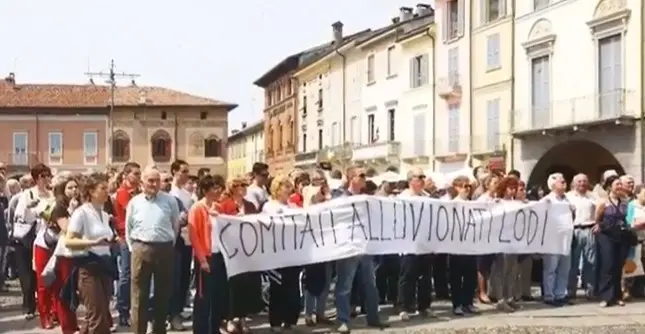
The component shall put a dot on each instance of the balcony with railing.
(449, 87)
(381, 150)
(618, 107)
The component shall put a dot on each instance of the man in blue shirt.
(347, 268)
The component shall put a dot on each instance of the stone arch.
(572, 157)
(196, 142)
(212, 146)
(120, 146)
(540, 28)
(161, 146)
(606, 7)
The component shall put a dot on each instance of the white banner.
(358, 225)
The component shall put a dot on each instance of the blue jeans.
(316, 305)
(123, 286)
(180, 290)
(555, 276)
(345, 271)
(583, 252)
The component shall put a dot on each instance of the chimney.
(405, 13)
(243, 125)
(10, 79)
(337, 28)
(143, 99)
(424, 9)
(395, 20)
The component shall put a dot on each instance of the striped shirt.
(152, 219)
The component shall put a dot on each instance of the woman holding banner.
(525, 261)
(505, 266)
(284, 289)
(462, 269)
(243, 288)
(210, 308)
(485, 261)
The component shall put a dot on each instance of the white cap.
(608, 173)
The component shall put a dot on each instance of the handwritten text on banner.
(372, 225)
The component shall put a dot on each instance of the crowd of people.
(146, 236)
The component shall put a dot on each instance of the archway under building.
(572, 157)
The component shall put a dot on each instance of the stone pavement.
(585, 318)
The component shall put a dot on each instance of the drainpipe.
(642, 112)
(434, 103)
(511, 148)
(344, 108)
(176, 134)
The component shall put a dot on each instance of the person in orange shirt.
(211, 307)
(243, 288)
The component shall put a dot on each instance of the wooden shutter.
(502, 8)
(461, 22)
(412, 72)
(424, 69)
(483, 10)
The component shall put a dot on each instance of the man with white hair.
(555, 272)
(152, 225)
(598, 190)
(584, 243)
(628, 186)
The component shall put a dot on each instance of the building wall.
(573, 71)
(185, 126)
(280, 111)
(254, 148)
(415, 102)
(443, 155)
(355, 85)
(492, 85)
(37, 130)
(311, 118)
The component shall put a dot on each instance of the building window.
(610, 78)
(390, 61)
(455, 19)
(304, 143)
(540, 92)
(203, 115)
(289, 87)
(91, 148)
(492, 125)
(164, 115)
(453, 128)
(493, 60)
(320, 99)
(280, 136)
(270, 141)
(370, 69)
(120, 147)
(419, 133)
(55, 148)
(493, 10)
(304, 106)
(334, 134)
(278, 94)
(212, 147)
(419, 71)
(453, 67)
(354, 130)
(320, 139)
(391, 117)
(371, 129)
(539, 4)
(20, 148)
(161, 146)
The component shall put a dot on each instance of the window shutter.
(502, 8)
(483, 9)
(444, 26)
(461, 16)
(412, 72)
(489, 52)
(424, 69)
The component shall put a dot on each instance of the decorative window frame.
(610, 18)
(538, 45)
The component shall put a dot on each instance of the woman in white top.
(89, 237)
(284, 289)
(32, 253)
(485, 261)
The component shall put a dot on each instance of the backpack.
(22, 232)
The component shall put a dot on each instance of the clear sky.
(205, 47)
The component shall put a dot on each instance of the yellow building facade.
(245, 147)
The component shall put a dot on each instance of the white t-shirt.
(32, 215)
(585, 208)
(91, 224)
(274, 207)
(186, 199)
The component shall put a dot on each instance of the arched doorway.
(572, 157)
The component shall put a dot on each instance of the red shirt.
(296, 199)
(123, 196)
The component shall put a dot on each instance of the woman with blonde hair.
(243, 287)
(485, 261)
(284, 289)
